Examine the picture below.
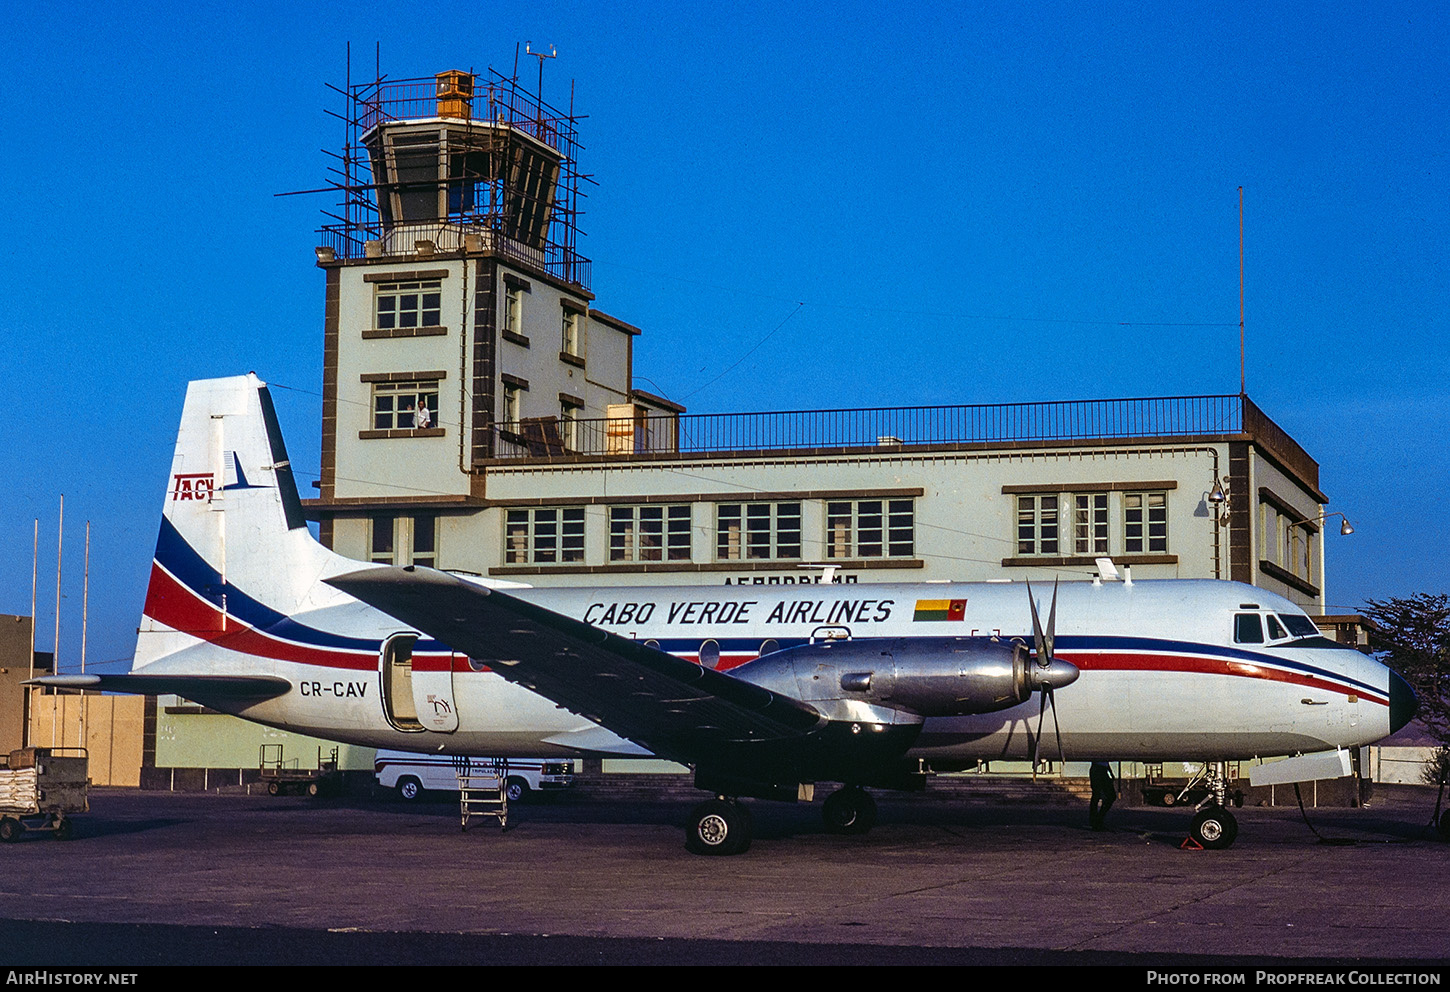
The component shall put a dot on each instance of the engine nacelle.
(916, 676)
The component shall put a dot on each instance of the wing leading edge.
(675, 708)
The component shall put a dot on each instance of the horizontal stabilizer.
(198, 687)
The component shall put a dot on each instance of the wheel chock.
(1189, 844)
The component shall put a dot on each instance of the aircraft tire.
(718, 827)
(849, 811)
(1215, 828)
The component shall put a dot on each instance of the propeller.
(1048, 673)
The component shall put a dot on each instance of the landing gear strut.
(849, 811)
(719, 826)
(1214, 827)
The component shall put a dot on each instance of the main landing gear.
(719, 826)
(722, 826)
(1214, 827)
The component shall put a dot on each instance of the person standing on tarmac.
(1105, 791)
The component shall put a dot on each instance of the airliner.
(763, 691)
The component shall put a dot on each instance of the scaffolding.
(460, 161)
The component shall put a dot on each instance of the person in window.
(1105, 791)
(423, 420)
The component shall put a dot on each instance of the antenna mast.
(1243, 375)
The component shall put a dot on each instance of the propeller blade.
(1057, 727)
(1039, 640)
(1051, 635)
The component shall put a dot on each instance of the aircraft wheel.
(719, 827)
(1215, 828)
(10, 829)
(517, 790)
(849, 811)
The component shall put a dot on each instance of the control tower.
(459, 326)
(459, 161)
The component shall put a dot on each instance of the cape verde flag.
(940, 609)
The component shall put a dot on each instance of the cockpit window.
(1248, 629)
(1299, 626)
(1276, 630)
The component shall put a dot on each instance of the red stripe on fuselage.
(178, 607)
(1201, 665)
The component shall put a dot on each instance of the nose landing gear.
(1214, 827)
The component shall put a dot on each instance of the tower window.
(405, 405)
(409, 304)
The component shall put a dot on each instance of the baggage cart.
(40, 787)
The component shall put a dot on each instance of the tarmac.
(153, 878)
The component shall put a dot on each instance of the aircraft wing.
(675, 708)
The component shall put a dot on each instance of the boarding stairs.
(482, 790)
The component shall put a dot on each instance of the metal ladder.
(482, 790)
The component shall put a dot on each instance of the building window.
(405, 405)
(1090, 524)
(425, 540)
(409, 304)
(871, 528)
(513, 309)
(513, 398)
(382, 540)
(571, 411)
(1037, 525)
(649, 533)
(572, 343)
(544, 536)
(390, 535)
(746, 531)
(1145, 523)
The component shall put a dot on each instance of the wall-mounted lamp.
(1344, 528)
(1219, 497)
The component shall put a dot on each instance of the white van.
(411, 773)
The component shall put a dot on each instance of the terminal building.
(480, 415)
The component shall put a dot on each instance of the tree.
(1414, 636)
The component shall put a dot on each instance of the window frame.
(630, 524)
(544, 535)
(427, 390)
(870, 528)
(1033, 523)
(1148, 542)
(759, 535)
(422, 291)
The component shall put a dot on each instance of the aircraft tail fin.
(232, 521)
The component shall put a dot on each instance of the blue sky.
(952, 204)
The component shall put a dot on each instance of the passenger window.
(1248, 629)
(1276, 632)
(710, 654)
